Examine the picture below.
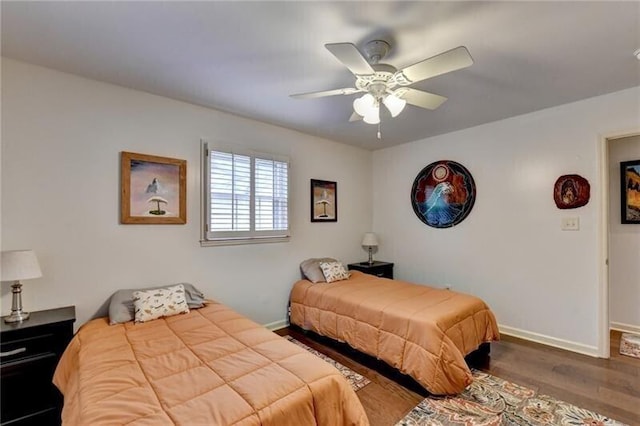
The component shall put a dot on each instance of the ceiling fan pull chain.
(379, 131)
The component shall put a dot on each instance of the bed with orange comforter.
(422, 331)
(211, 366)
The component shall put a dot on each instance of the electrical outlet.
(570, 223)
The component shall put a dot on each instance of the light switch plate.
(570, 223)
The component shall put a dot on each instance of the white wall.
(541, 282)
(624, 244)
(61, 138)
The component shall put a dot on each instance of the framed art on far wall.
(152, 189)
(324, 201)
(630, 191)
(443, 194)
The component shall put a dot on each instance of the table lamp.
(18, 265)
(370, 240)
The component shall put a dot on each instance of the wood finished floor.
(608, 386)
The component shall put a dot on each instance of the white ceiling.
(247, 57)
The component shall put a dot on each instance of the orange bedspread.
(422, 331)
(209, 367)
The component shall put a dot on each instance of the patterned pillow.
(121, 307)
(310, 269)
(334, 271)
(160, 302)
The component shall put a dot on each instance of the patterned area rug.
(630, 345)
(357, 381)
(491, 401)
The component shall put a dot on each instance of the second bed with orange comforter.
(422, 331)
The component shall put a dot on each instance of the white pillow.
(159, 302)
(334, 271)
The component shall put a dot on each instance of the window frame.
(221, 238)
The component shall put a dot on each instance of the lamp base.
(17, 314)
(16, 317)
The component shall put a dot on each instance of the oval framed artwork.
(571, 192)
(443, 194)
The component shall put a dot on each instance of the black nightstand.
(379, 269)
(30, 351)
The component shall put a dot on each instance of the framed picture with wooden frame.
(153, 189)
(630, 191)
(324, 201)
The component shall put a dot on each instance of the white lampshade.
(373, 116)
(364, 104)
(370, 240)
(394, 104)
(19, 265)
(368, 108)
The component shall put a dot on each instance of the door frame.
(604, 323)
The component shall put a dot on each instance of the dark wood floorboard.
(608, 386)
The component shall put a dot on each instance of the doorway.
(619, 244)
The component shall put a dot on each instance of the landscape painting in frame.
(630, 191)
(324, 201)
(153, 189)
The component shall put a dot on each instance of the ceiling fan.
(383, 83)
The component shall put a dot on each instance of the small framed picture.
(153, 189)
(324, 201)
(630, 191)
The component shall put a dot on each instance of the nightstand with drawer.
(29, 353)
(379, 269)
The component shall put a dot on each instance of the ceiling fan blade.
(310, 95)
(350, 56)
(448, 61)
(422, 99)
(355, 117)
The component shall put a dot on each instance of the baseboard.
(550, 341)
(277, 325)
(627, 328)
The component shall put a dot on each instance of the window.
(246, 197)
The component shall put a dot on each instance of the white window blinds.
(247, 196)
(230, 182)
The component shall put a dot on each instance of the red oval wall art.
(571, 191)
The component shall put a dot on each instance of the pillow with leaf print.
(334, 271)
(121, 307)
(159, 302)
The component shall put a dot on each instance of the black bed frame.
(477, 359)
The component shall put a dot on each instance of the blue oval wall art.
(443, 194)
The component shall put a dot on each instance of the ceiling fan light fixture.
(379, 81)
(394, 104)
(368, 107)
(365, 105)
(373, 117)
